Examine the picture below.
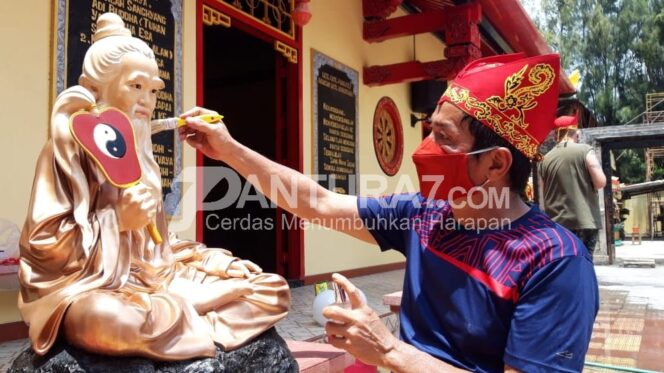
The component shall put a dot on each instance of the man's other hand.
(358, 330)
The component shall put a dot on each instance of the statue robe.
(115, 284)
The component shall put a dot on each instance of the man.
(521, 296)
(570, 177)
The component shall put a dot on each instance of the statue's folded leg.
(238, 321)
(157, 326)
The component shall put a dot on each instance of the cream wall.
(25, 38)
(24, 73)
(335, 30)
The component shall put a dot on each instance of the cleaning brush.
(159, 125)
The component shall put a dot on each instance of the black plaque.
(335, 118)
(158, 23)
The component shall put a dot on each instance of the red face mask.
(442, 175)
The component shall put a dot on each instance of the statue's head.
(121, 70)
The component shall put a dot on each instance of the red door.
(258, 89)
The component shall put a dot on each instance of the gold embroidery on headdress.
(506, 115)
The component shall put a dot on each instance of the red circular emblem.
(388, 136)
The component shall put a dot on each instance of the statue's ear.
(89, 85)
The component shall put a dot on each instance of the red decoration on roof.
(508, 18)
(432, 4)
(459, 24)
(301, 13)
(379, 9)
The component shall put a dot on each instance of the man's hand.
(213, 139)
(358, 330)
(244, 269)
(135, 208)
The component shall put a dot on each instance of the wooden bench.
(315, 357)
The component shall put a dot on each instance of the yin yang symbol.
(109, 140)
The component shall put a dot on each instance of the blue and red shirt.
(524, 294)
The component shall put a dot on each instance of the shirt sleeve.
(553, 319)
(389, 218)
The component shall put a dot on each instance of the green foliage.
(618, 46)
(631, 166)
(658, 174)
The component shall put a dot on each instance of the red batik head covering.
(566, 121)
(516, 97)
(566, 125)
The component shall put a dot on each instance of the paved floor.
(629, 330)
(647, 249)
(300, 324)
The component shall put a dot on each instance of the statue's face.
(134, 88)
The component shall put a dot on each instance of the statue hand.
(213, 139)
(207, 297)
(135, 208)
(243, 268)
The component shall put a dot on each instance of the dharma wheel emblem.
(388, 136)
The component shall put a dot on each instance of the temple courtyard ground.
(628, 331)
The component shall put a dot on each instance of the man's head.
(498, 110)
(567, 134)
(502, 165)
(566, 129)
(121, 70)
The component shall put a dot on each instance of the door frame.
(290, 243)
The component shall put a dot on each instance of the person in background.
(570, 176)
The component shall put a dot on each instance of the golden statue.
(88, 267)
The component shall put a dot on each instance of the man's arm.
(406, 358)
(595, 169)
(289, 189)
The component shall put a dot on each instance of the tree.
(631, 167)
(618, 45)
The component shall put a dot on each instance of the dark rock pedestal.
(267, 353)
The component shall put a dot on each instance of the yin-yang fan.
(108, 138)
